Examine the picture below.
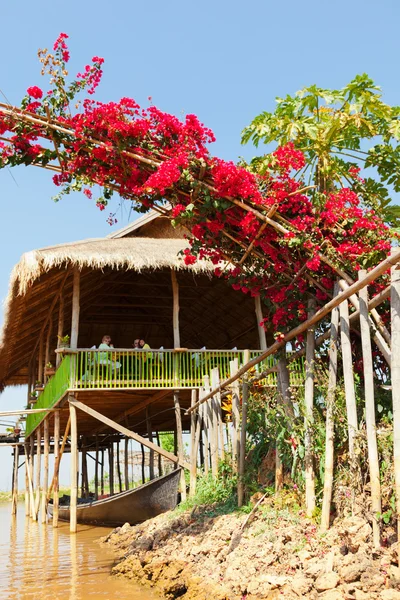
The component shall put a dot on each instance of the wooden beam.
(175, 309)
(45, 468)
(395, 328)
(179, 436)
(348, 375)
(309, 415)
(150, 438)
(318, 316)
(138, 438)
(56, 438)
(259, 316)
(370, 420)
(75, 309)
(60, 327)
(74, 468)
(242, 457)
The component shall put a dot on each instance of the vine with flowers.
(266, 230)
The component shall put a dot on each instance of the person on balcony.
(106, 358)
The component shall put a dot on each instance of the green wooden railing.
(88, 369)
(54, 390)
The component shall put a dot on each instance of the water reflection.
(37, 561)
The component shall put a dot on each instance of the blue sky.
(225, 61)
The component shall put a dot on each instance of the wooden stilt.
(143, 464)
(58, 460)
(235, 392)
(330, 423)
(31, 471)
(15, 482)
(215, 382)
(206, 435)
(74, 468)
(193, 447)
(201, 442)
(75, 309)
(84, 477)
(283, 391)
(37, 473)
(160, 469)
(126, 463)
(212, 430)
(27, 501)
(150, 438)
(56, 465)
(96, 470)
(102, 473)
(309, 415)
(60, 329)
(46, 449)
(348, 378)
(245, 396)
(395, 330)
(370, 421)
(111, 467)
(119, 468)
(179, 435)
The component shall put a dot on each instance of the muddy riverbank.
(200, 554)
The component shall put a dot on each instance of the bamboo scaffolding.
(293, 333)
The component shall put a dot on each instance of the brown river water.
(39, 562)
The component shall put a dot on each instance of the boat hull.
(133, 506)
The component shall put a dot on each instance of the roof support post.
(175, 310)
(259, 316)
(75, 309)
(60, 328)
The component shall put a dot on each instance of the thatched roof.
(36, 280)
(128, 253)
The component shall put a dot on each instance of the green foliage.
(338, 131)
(219, 494)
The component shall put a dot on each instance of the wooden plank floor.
(127, 407)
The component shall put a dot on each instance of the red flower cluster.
(149, 156)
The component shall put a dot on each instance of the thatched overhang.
(125, 292)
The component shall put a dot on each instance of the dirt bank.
(200, 554)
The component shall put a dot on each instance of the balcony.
(119, 369)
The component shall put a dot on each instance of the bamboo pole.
(348, 375)
(83, 469)
(283, 392)
(395, 329)
(380, 334)
(75, 309)
(102, 473)
(211, 431)
(259, 316)
(37, 473)
(47, 350)
(309, 415)
(150, 438)
(46, 449)
(215, 382)
(74, 468)
(204, 435)
(235, 392)
(370, 421)
(31, 472)
(96, 469)
(318, 316)
(119, 468)
(126, 463)
(160, 469)
(179, 434)
(143, 464)
(40, 361)
(111, 467)
(175, 309)
(193, 447)
(330, 421)
(60, 328)
(242, 456)
(15, 482)
(26, 450)
(56, 462)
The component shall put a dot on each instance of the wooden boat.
(132, 506)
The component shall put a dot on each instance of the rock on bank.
(198, 555)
